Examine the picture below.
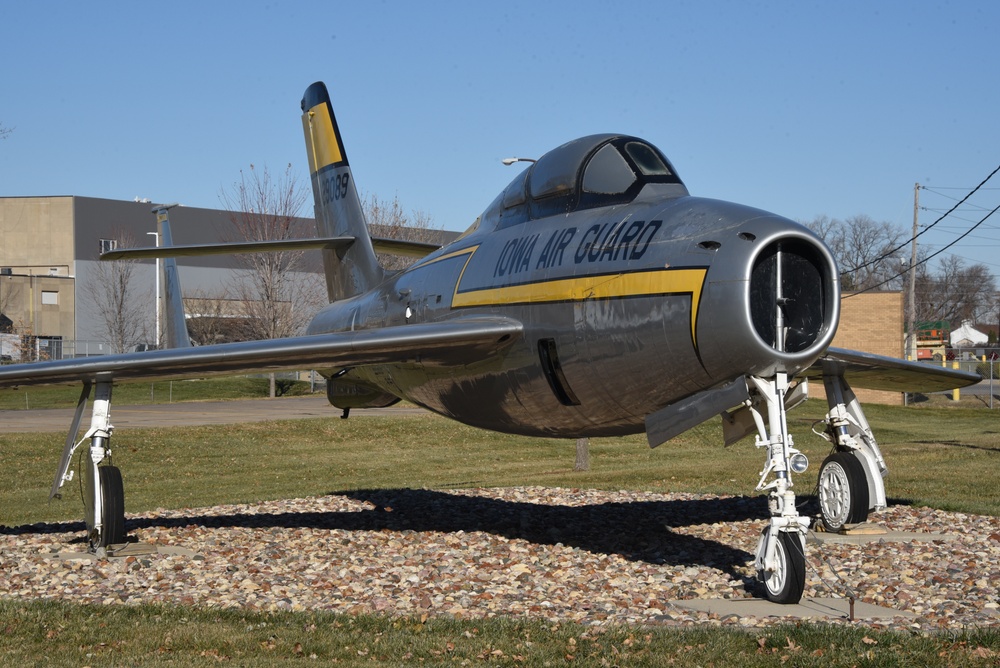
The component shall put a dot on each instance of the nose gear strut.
(780, 557)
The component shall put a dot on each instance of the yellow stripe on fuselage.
(636, 284)
(321, 138)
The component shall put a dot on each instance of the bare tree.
(867, 252)
(277, 295)
(121, 304)
(955, 292)
(10, 294)
(388, 219)
(5, 131)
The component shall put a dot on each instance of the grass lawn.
(942, 457)
(52, 633)
(937, 457)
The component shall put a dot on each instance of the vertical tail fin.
(353, 270)
(175, 324)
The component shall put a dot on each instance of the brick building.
(872, 322)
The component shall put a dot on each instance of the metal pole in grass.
(582, 455)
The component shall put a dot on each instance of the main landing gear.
(103, 492)
(851, 479)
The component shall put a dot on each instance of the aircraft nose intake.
(790, 295)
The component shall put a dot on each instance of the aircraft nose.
(772, 298)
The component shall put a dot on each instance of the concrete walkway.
(190, 413)
(807, 608)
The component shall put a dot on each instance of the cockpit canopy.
(586, 173)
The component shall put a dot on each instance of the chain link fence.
(984, 361)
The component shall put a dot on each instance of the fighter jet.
(593, 297)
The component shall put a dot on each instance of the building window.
(50, 297)
(108, 245)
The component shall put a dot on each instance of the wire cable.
(929, 257)
(910, 240)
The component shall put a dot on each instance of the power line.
(934, 254)
(951, 188)
(942, 217)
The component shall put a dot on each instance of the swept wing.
(877, 372)
(453, 342)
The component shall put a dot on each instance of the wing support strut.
(64, 474)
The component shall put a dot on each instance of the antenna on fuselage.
(511, 161)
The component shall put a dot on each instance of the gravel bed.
(589, 556)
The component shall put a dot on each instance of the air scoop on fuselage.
(771, 301)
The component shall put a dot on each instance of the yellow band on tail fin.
(322, 140)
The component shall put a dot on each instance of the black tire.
(113, 504)
(786, 584)
(843, 491)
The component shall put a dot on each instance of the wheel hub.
(834, 494)
(774, 580)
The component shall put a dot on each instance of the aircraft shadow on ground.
(638, 531)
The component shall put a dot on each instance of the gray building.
(49, 248)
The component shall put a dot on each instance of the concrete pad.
(175, 550)
(864, 529)
(130, 550)
(126, 550)
(808, 608)
(823, 538)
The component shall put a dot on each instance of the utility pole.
(911, 305)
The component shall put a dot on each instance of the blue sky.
(801, 108)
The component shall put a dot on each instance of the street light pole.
(156, 335)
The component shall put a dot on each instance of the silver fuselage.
(626, 309)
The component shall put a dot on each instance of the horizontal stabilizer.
(234, 248)
(416, 249)
(449, 343)
(878, 372)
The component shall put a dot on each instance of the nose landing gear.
(780, 559)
